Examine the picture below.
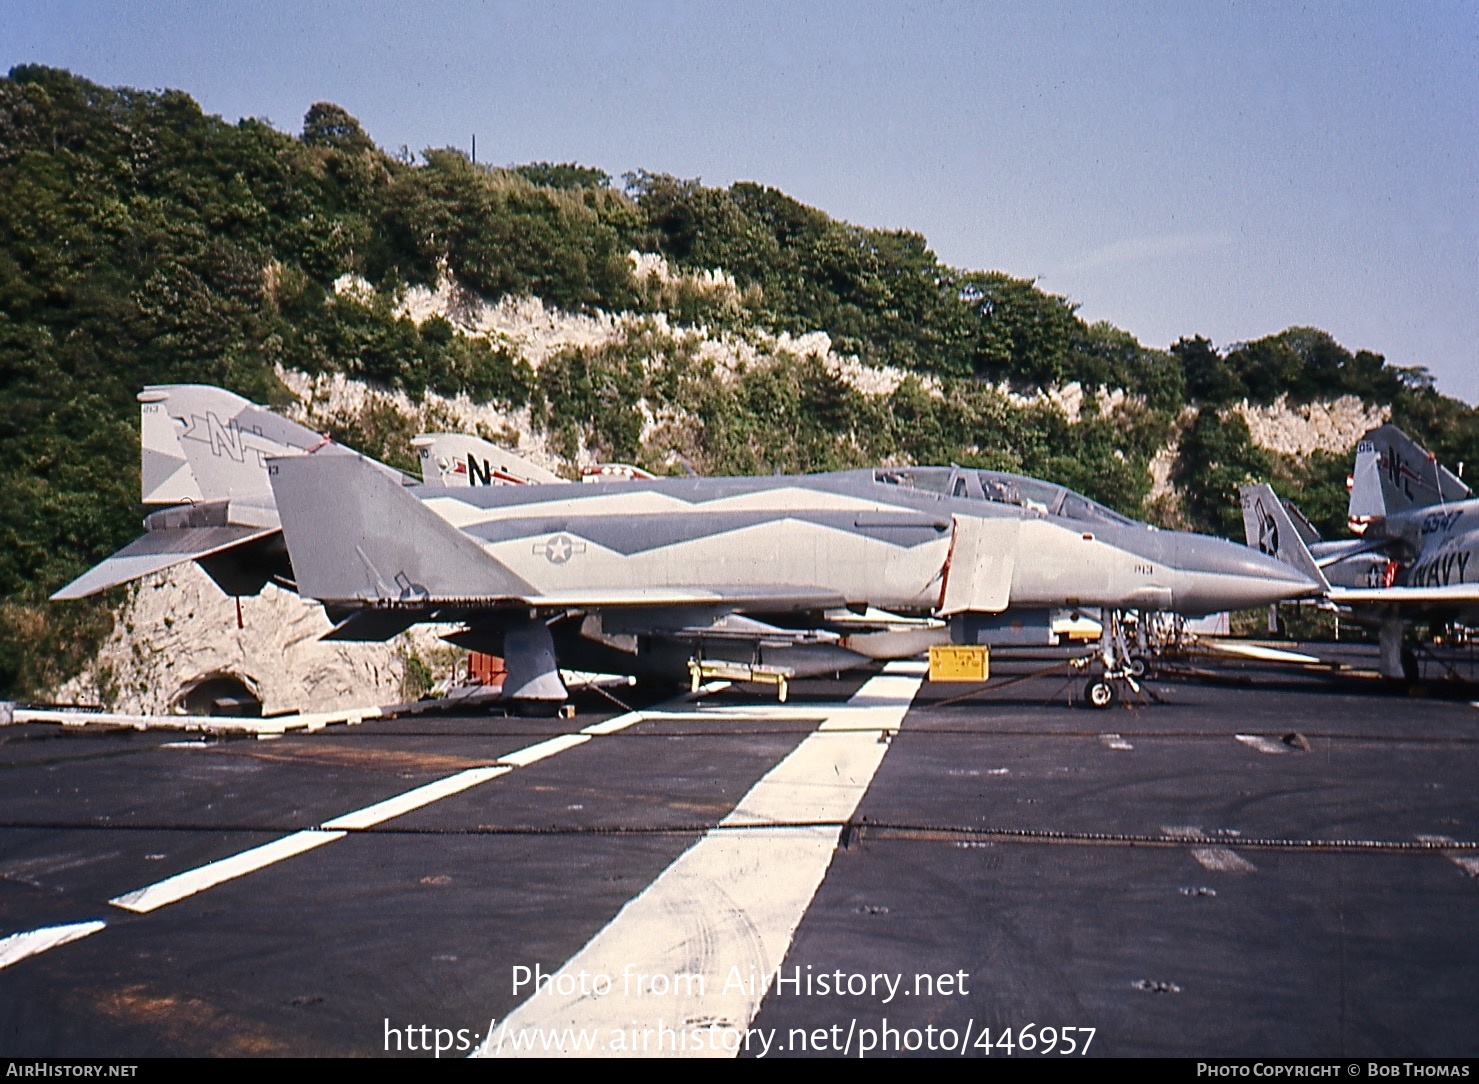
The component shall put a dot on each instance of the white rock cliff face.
(1332, 426)
(178, 627)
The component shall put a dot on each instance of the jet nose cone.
(1221, 575)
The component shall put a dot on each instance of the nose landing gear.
(1119, 665)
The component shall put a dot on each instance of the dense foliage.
(142, 241)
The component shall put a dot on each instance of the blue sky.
(1223, 169)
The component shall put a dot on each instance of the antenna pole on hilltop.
(475, 149)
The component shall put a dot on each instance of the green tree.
(1217, 456)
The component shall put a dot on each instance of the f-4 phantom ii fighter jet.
(643, 576)
(1415, 558)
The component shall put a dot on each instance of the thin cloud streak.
(1144, 249)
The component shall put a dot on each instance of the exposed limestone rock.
(1333, 426)
(535, 331)
(178, 627)
(333, 396)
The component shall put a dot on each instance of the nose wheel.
(1100, 693)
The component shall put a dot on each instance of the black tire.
(1100, 694)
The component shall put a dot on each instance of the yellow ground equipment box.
(956, 662)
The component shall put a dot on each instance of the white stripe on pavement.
(178, 887)
(522, 758)
(183, 885)
(18, 946)
(415, 799)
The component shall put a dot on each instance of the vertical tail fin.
(166, 475)
(224, 442)
(1270, 529)
(1394, 473)
(355, 535)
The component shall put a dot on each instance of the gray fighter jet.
(793, 575)
(1414, 558)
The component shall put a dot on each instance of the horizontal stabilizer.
(1329, 553)
(156, 551)
(1430, 598)
(355, 534)
(372, 626)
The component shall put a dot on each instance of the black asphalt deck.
(1143, 872)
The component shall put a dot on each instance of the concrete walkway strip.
(686, 964)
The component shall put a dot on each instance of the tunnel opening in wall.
(218, 693)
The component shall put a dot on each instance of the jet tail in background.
(455, 460)
(1393, 473)
(224, 442)
(1271, 530)
(204, 458)
(165, 473)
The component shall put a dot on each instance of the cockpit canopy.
(1003, 488)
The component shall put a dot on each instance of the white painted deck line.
(1262, 744)
(415, 799)
(771, 713)
(728, 907)
(1115, 741)
(611, 726)
(1469, 863)
(521, 758)
(182, 885)
(1222, 860)
(1216, 859)
(632, 718)
(18, 946)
